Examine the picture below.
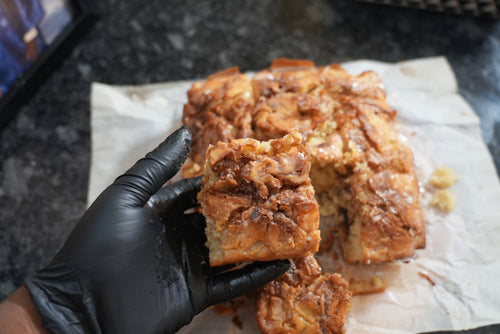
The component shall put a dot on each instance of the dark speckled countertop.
(45, 150)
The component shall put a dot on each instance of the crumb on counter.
(443, 200)
(443, 177)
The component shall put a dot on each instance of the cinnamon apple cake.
(258, 201)
(362, 174)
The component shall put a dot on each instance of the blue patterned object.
(16, 18)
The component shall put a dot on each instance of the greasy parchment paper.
(462, 254)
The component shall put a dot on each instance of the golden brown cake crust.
(303, 301)
(258, 201)
(217, 109)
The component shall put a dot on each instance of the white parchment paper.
(463, 247)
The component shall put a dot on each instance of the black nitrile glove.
(124, 269)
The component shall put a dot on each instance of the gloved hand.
(135, 262)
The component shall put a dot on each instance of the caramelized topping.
(258, 201)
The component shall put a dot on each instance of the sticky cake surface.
(363, 176)
(217, 109)
(304, 301)
(258, 201)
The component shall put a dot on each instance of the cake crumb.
(427, 277)
(368, 286)
(237, 322)
(222, 309)
(443, 177)
(443, 200)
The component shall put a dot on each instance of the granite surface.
(45, 150)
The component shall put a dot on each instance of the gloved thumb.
(236, 283)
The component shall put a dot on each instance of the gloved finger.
(151, 172)
(222, 269)
(193, 232)
(179, 195)
(190, 230)
(236, 283)
(196, 222)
